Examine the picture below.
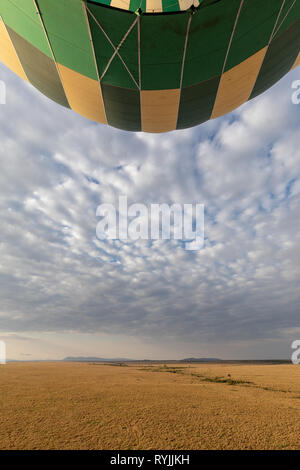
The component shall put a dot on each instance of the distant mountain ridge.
(124, 359)
(201, 359)
(158, 361)
(95, 359)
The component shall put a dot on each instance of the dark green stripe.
(170, 5)
(253, 30)
(280, 57)
(115, 24)
(136, 4)
(122, 107)
(103, 2)
(197, 102)
(40, 70)
(290, 13)
(209, 37)
(162, 47)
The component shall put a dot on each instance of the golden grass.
(178, 406)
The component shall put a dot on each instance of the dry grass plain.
(149, 406)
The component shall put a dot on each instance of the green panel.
(162, 47)
(122, 107)
(117, 74)
(279, 59)
(40, 70)
(167, 5)
(103, 2)
(253, 31)
(290, 14)
(209, 37)
(116, 24)
(136, 4)
(170, 5)
(21, 16)
(67, 29)
(197, 102)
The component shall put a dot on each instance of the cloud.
(57, 167)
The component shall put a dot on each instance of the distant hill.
(124, 359)
(201, 359)
(159, 361)
(95, 359)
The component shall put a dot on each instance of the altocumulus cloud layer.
(57, 167)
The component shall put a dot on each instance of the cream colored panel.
(236, 84)
(123, 4)
(297, 62)
(154, 6)
(83, 94)
(159, 110)
(186, 4)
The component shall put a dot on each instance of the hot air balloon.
(150, 65)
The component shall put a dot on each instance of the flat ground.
(149, 406)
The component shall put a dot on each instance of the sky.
(63, 292)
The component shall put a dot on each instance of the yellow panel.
(186, 4)
(8, 54)
(159, 110)
(236, 84)
(124, 4)
(297, 62)
(153, 5)
(83, 94)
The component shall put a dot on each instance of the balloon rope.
(185, 48)
(285, 17)
(112, 44)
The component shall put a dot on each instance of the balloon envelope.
(150, 65)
